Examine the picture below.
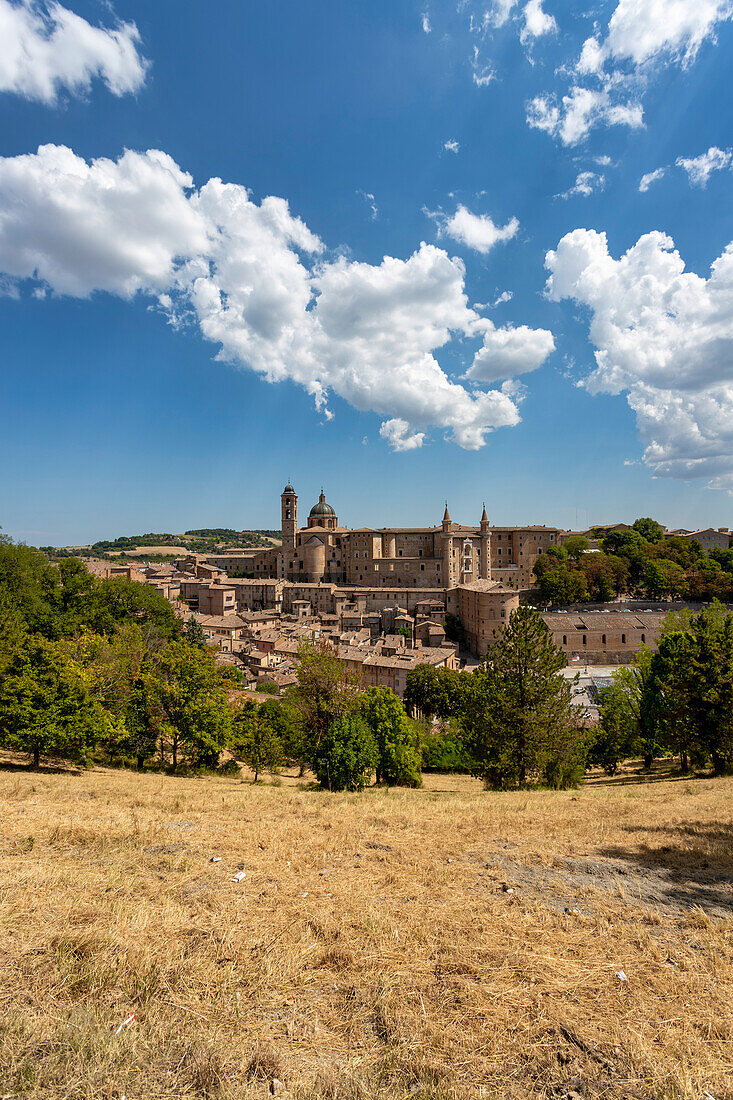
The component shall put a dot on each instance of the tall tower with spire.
(289, 516)
(485, 552)
(446, 525)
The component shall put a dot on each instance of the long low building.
(603, 637)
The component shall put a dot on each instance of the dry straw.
(409, 968)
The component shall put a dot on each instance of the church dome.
(288, 489)
(321, 509)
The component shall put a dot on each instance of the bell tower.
(289, 514)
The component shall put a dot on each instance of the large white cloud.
(110, 225)
(254, 279)
(640, 30)
(477, 231)
(664, 336)
(46, 48)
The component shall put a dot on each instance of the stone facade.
(443, 557)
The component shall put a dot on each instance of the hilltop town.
(388, 599)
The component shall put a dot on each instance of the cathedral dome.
(321, 509)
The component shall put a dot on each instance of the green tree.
(119, 672)
(632, 547)
(649, 529)
(75, 595)
(31, 583)
(255, 740)
(442, 747)
(638, 692)
(193, 632)
(324, 692)
(435, 691)
(398, 752)
(563, 586)
(518, 711)
(709, 684)
(599, 577)
(681, 550)
(664, 578)
(118, 600)
(613, 741)
(346, 754)
(193, 703)
(46, 708)
(286, 723)
(575, 546)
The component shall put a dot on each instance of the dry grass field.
(438, 943)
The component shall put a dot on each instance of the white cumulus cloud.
(256, 281)
(47, 49)
(640, 30)
(451, 146)
(580, 111)
(699, 169)
(507, 352)
(611, 74)
(399, 435)
(536, 22)
(663, 336)
(477, 231)
(425, 22)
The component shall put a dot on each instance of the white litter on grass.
(239, 876)
(126, 1023)
(621, 976)
(215, 859)
(305, 895)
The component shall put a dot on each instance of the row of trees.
(677, 700)
(104, 670)
(639, 562)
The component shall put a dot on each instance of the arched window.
(564, 639)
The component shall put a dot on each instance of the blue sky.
(173, 348)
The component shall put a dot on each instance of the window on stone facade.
(585, 639)
(422, 567)
(603, 639)
(623, 639)
(564, 639)
(643, 637)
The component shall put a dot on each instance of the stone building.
(441, 557)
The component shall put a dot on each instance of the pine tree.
(518, 720)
